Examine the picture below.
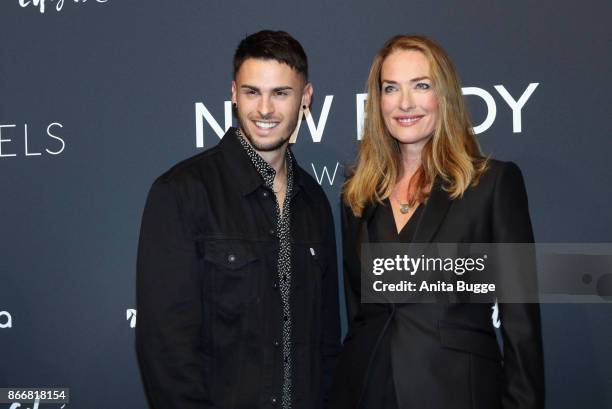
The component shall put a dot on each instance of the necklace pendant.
(404, 208)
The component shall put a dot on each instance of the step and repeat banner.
(99, 97)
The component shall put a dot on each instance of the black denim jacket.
(209, 310)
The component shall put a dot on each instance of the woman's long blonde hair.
(453, 153)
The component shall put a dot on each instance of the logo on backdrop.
(6, 321)
(59, 4)
(323, 173)
(130, 315)
(317, 127)
(17, 140)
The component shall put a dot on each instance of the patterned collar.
(266, 171)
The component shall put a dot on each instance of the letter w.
(324, 173)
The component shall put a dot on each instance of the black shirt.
(210, 316)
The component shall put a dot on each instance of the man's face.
(268, 95)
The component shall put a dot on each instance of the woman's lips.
(408, 120)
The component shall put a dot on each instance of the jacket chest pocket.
(229, 267)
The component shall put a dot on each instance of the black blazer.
(446, 355)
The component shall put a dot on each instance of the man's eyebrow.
(251, 87)
(275, 89)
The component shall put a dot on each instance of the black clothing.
(210, 317)
(382, 228)
(445, 355)
(283, 231)
(379, 392)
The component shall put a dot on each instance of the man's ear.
(234, 93)
(307, 95)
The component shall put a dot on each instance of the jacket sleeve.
(521, 330)
(348, 255)
(169, 306)
(330, 315)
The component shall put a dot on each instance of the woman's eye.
(423, 85)
(388, 88)
(281, 93)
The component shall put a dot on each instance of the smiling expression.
(408, 101)
(268, 95)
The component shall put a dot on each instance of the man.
(237, 288)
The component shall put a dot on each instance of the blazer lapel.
(435, 210)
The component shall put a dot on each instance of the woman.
(420, 177)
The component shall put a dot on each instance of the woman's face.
(408, 101)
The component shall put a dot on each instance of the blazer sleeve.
(521, 329)
(169, 306)
(349, 257)
(330, 314)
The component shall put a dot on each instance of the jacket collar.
(245, 176)
(435, 210)
(436, 207)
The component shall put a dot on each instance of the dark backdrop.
(100, 97)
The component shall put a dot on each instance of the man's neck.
(275, 158)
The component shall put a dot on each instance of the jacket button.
(231, 258)
(273, 400)
(272, 232)
(275, 285)
(276, 343)
(265, 193)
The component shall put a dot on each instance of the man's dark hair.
(272, 45)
